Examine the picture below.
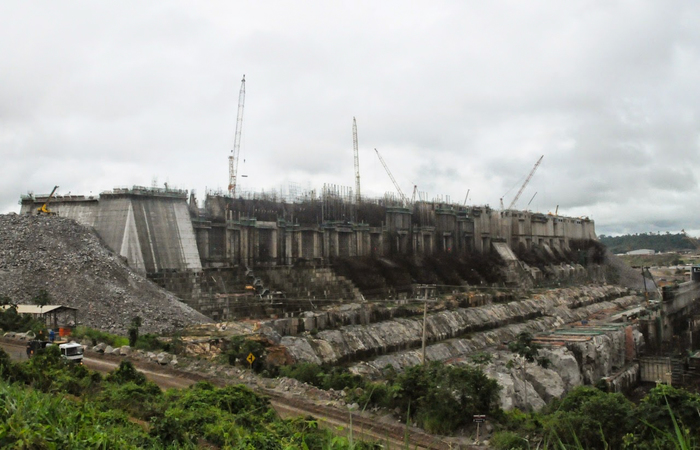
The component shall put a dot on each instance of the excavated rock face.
(392, 340)
(461, 332)
(566, 366)
(71, 264)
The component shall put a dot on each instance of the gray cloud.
(455, 95)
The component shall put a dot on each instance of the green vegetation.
(588, 418)
(133, 331)
(238, 349)
(658, 260)
(10, 320)
(46, 403)
(324, 377)
(96, 336)
(438, 397)
(658, 242)
(523, 346)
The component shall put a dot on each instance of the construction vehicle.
(34, 346)
(70, 351)
(44, 209)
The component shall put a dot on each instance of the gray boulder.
(164, 358)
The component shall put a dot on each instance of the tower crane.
(396, 185)
(527, 180)
(357, 161)
(233, 157)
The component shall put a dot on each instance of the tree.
(529, 350)
(134, 331)
(653, 411)
(42, 298)
(594, 418)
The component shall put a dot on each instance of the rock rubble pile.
(70, 263)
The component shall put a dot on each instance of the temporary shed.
(49, 313)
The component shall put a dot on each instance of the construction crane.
(415, 190)
(527, 180)
(43, 209)
(233, 158)
(357, 161)
(404, 200)
(533, 197)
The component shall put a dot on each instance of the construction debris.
(68, 261)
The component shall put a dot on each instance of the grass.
(97, 336)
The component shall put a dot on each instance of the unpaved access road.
(392, 436)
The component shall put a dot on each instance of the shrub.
(125, 373)
(239, 348)
(507, 440)
(653, 411)
(322, 376)
(10, 320)
(134, 331)
(96, 336)
(440, 398)
(594, 418)
(142, 401)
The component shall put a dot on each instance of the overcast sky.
(457, 96)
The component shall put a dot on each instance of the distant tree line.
(658, 242)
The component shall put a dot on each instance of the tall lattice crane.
(396, 185)
(527, 180)
(357, 161)
(233, 158)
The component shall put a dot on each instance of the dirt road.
(393, 436)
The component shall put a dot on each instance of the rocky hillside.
(71, 264)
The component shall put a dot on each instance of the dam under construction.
(320, 245)
(382, 283)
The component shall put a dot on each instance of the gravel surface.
(70, 262)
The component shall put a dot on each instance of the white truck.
(72, 351)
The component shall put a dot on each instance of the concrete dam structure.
(263, 231)
(207, 255)
(149, 227)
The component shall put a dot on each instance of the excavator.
(43, 209)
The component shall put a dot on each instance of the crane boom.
(233, 158)
(396, 185)
(43, 209)
(527, 180)
(357, 161)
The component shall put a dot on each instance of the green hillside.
(666, 242)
